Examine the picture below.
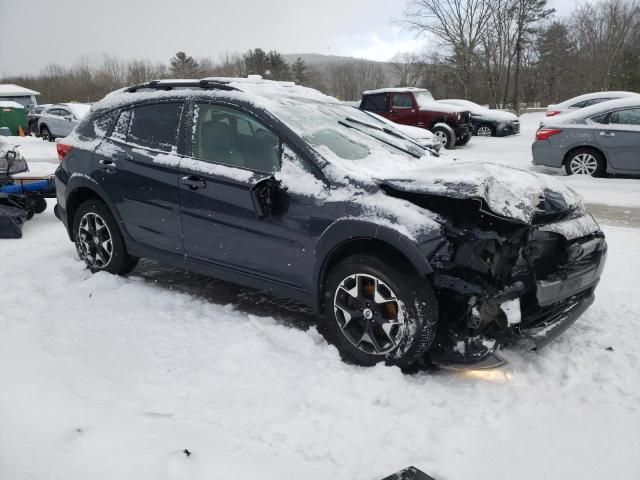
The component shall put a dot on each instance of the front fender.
(416, 249)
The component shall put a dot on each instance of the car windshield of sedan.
(342, 133)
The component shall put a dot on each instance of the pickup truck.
(417, 107)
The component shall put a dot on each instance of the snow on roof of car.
(593, 110)
(11, 90)
(395, 89)
(10, 104)
(594, 95)
(79, 110)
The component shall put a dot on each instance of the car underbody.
(499, 281)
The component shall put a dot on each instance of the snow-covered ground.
(113, 378)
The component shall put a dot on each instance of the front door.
(620, 139)
(138, 165)
(403, 110)
(231, 151)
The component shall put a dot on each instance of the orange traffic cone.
(21, 131)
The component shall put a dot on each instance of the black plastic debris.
(409, 473)
(186, 452)
(12, 217)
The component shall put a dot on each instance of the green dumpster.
(13, 115)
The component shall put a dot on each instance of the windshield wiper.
(393, 133)
(391, 144)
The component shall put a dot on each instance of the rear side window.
(603, 118)
(155, 126)
(97, 127)
(375, 103)
(630, 116)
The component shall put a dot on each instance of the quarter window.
(155, 126)
(231, 137)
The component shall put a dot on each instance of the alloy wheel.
(583, 164)
(45, 134)
(484, 131)
(369, 314)
(442, 136)
(94, 242)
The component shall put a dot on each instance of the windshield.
(423, 97)
(345, 135)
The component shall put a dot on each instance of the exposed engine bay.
(498, 280)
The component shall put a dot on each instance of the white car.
(421, 136)
(585, 100)
(487, 122)
(60, 119)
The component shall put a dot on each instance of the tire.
(462, 141)
(446, 137)
(485, 130)
(106, 250)
(40, 205)
(45, 134)
(360, 335)
(585, 161)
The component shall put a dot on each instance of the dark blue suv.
(409, 257)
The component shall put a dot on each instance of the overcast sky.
(34, 33)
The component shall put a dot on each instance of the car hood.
(496, 115)
(441, 107)
(508, 192)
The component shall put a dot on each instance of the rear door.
(620, 139)
(138, 168)
(55, 121)
(403, 109)
(231, 151)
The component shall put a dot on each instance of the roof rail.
(205, 84)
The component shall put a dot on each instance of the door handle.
(607, 134)
(193, 182)
(108, 165)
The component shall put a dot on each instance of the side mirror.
(11, 155)
(268, 197)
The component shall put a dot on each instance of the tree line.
(505, 53)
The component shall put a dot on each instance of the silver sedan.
(597, 140)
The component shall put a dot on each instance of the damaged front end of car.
(499, 280)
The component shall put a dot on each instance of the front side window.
(630, 116)
(402, 100)
(155, 126)
(231, 137)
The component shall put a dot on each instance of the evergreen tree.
(299, 71)
(184, 66)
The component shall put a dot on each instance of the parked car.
(33, 116)
(583, 101)
(417, 107)
(422, 136)
(603, 138)
(60, 119)
(281, 188)
(487, 122)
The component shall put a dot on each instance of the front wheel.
(375, 311)
(585, 161)
(45, 134)
(99, 241)
(446, 136)
(485, 130)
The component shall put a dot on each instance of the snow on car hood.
(442, 107)
(508, 192)
(497, 115)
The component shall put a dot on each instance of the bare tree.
(460, 24)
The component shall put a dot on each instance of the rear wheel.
(99, 241)
(585, 161)
(445, 135)
(375, 311)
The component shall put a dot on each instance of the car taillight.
(545, 133)
(553, 113)
(63, 150)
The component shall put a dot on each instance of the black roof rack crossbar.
(170, 85)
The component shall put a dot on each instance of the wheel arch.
(598, 150)
(339, 243)
(80, 192)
